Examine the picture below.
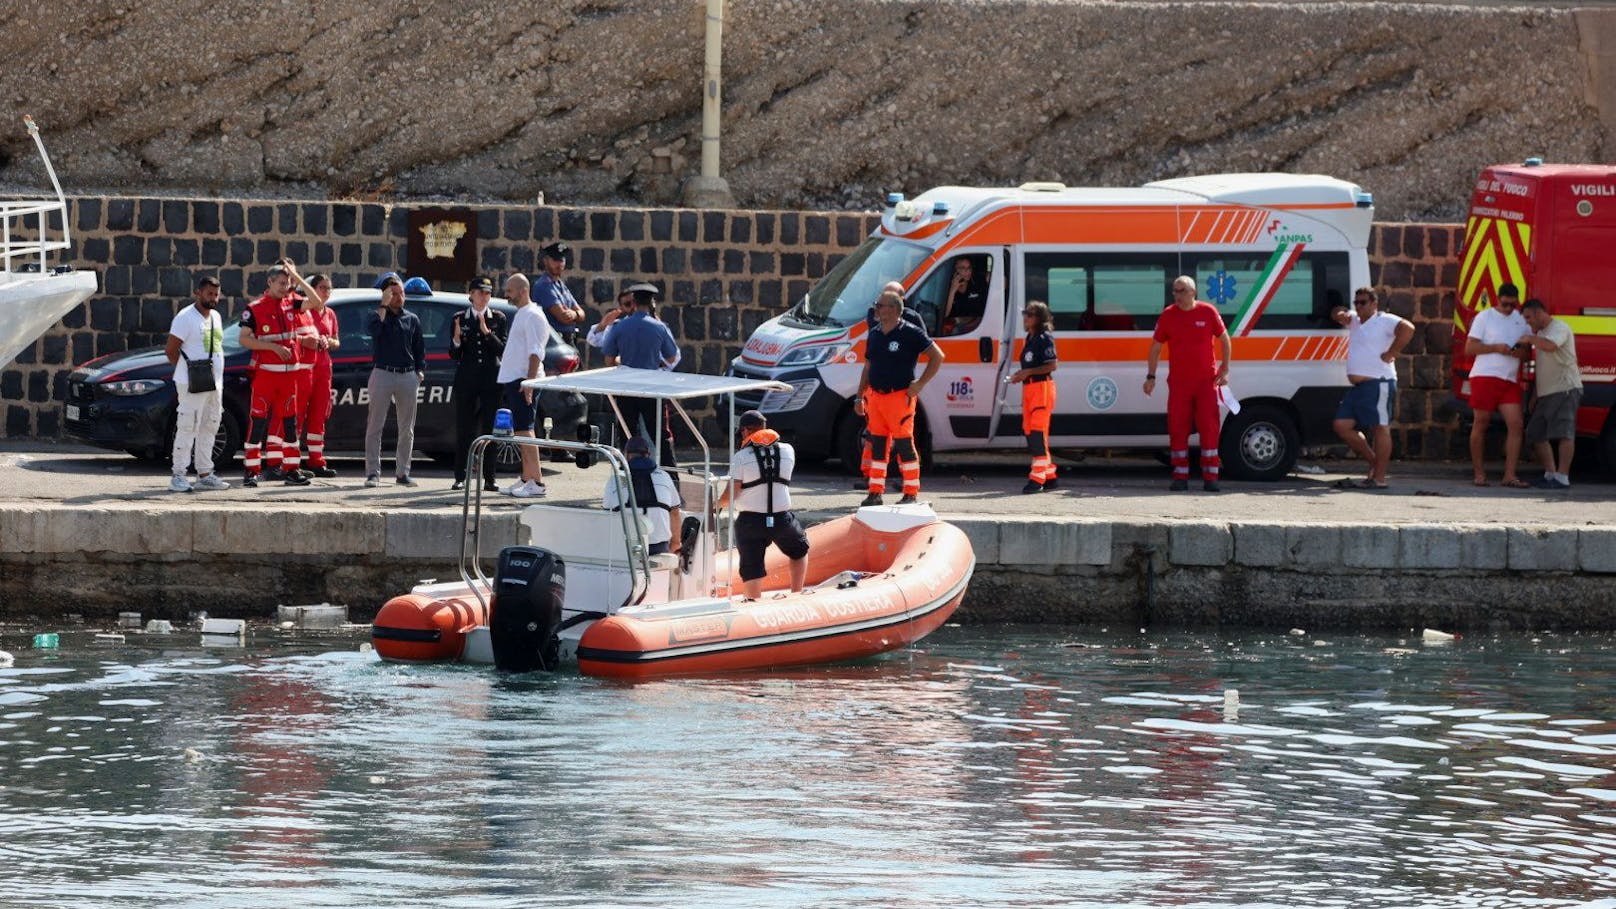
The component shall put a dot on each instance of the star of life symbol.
(441, 238)
(1221, 288)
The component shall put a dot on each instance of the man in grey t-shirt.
(1559, 393)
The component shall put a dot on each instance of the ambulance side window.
(1101, 291)
(1271, 292)
(970, 305)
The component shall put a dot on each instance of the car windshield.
(845, 295)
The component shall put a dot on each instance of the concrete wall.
(163, 562)
(724, 271)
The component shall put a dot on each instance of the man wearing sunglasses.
(1374, 339)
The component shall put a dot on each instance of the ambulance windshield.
(845, 295)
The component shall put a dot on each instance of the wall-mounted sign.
(443, 244)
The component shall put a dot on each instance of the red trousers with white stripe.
(314, 397)
(1193, 406)
(274, 407)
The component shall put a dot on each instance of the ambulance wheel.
(1260, 442)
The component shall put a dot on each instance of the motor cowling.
(530, 585)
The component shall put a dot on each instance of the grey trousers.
(397, 389)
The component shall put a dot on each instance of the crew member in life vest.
(1036, 376)
(656, 497)
(760, 484)
(1190, 328)
(887, 392)
(314, 393)
(270, 331)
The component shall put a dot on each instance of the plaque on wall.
(443, 244)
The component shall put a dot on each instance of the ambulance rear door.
(959, 404)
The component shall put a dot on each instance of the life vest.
(765, 445)
(645, 494)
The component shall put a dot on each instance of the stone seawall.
(725, 272)
(96, 561)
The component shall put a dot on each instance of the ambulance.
(1549, 229)
(1274, 252)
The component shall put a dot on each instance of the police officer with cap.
(476, 343)
(760, 484)
(637, 339)
(551, 293)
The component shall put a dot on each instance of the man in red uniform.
(314, 393)
(1189, 328)
(280, 338)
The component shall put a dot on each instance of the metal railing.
(14, 212)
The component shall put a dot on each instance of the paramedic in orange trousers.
(888, 390)
(1037, 379)
(1190, 328)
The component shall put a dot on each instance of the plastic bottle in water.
(49, 640)
(502, 422)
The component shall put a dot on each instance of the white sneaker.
(212, 481)
(511, 489)
(528, 489)
(179, 484)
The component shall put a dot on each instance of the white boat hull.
(30, 303)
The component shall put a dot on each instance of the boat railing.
(17, 239)
(636, 551)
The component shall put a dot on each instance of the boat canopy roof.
(628, 382)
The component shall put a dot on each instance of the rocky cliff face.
(826, 102)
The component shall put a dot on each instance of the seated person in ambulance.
(966, 298)
(656, 497)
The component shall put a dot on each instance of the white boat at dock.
(33, 295)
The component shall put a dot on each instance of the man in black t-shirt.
(887, 392)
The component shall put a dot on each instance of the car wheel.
(227, 441)
(1261, 442)
(850, 443)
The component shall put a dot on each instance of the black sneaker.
(1052, 482)
(294, 478)
(274, 474)
(457, 485)
(1211, 486)
(873, 498)
(490, 486)
(405, 481)
(249, 480)
(907, 500)
(1031, 487)
(322, 472)
(1179, 486)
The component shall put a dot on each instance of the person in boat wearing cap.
(551, 293)
(656, 497)
(524, 359)
(314, 406)
(398, 367)
(476, 343)
(641, 342)
(760, 484)
(1191, 328)
(1036, 377)
(271, 329)
(887, 393)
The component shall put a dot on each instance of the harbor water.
(1022, 766)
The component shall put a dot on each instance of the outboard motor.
(529, 587)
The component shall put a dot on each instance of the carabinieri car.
(125, 401)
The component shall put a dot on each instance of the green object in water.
(47, 641)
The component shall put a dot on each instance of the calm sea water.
(1017, 767)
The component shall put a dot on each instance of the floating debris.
(192, 756)
(1432, 636)
(1297, 633)
(6, 660)
(159, 626)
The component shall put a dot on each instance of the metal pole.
(709, 190)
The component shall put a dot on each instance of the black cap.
(638, 443)
(752, 419)
(650, 290)
(480, 284)
(561, 252)
(206, 281)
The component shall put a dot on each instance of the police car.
(125, 401)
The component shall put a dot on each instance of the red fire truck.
(1549, 229)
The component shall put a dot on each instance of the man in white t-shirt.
(1559, 394)
(523, 359)
(1494, 341)
(1374, 339)
(197, 334)
(760, 483)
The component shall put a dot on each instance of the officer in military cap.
(476, 343)
(551, 293)
(637, 339)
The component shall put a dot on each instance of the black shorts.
(523, 414)
(753, 536)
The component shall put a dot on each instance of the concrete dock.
(94, 533)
